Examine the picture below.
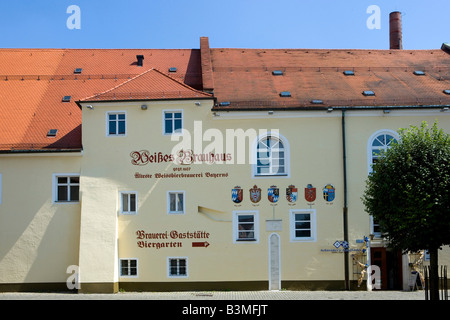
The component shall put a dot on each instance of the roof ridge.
(142, 74)
(182, 83)
(118, 86)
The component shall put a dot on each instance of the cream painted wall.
(310, 144)
(39, 238)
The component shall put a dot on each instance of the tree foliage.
(408, 192)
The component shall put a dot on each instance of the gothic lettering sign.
(171, 239)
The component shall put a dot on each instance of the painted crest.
(291, 194)
(273, 193)
(310, 193)
(329, 193)
(255, 194)
(237, 194)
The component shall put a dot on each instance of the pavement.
(223, 295)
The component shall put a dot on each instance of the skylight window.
(173, 69)
(419, 73)
(316, 101)
(285, 94)
(52, 133)
(277, 72)
(368, 93)
(66, 99)
(224, 104)
(447, 91)
(78, 70)
(349, 73)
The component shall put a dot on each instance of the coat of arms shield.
(291, 194)
(310, 193)
(255, 194)
(237, 194)
(273, 193)
(329, 193)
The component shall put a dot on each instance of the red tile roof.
(149, 85)
(33, 83)
(244, 78)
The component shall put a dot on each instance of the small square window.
(246, 226)
(67, 188)
(303, 225)
(368, 93)
(175, 202)
(78, 70)
(66, 98)
(52, 133)
(173, 122)
(116, 123)
(177, 267)
(128, 203)
(128, 267)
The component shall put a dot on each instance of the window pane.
(121, 116)
(177, 115)
(168, 115)
(74, 193)
(74, 179)
(121, 127)
(172, 202)
(168, 126)
(302, 216)
(112, 127)
(62, 193)
(132, 202)
(302, 225)
(62, 179)
(180, 202)
(246, 218)
(177, 125)
(303, 233)
(112, 117)
(125, 202)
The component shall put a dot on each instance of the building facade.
(204, 169)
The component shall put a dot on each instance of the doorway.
(274, 262)
(390, 264)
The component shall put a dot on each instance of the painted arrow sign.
(200, 244)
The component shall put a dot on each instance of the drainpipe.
(345, 209)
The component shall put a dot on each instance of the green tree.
(408, 194)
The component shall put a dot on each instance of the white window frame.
(121, 209)
(370, 149)
(176, 192)
(129, 268)
(178, 133)
(255, 214)
(55, 185)
(313, 224)
(169, 275)
(286, 151)
(108, 134)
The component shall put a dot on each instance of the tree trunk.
(434, 275)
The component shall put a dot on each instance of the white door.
(274, 262)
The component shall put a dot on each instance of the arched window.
(378, 143)
(271, 156)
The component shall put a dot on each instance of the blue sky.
(331, 24)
